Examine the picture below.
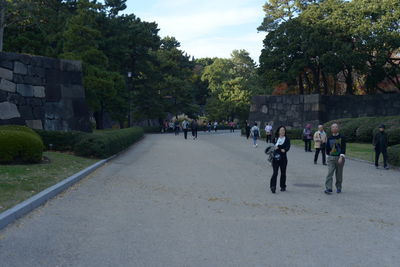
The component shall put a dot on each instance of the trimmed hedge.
(107, 143)
(363, 129)
(61, 141)
(19, 144)
(394, 155)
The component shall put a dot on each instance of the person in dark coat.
(280, 161)
(248, 128)
(380, 143)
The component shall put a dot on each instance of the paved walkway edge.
(11, 215)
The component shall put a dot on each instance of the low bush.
(363, 129)
(60, 141)
(394, 155)
(107, 143)
(152, 129)
(19, 144)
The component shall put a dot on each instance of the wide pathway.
(174, 202)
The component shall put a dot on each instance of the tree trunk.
(309, 85)
(325, 81)
(316, 74)
(2, 23)
(349, 81)
(301, 85)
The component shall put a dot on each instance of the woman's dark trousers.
(276, 165)
(317, 150)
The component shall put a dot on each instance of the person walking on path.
(176, 127)
(248, 128)
(307, 137)
(380, 143)
(336, 151)
(255, 132)
(268, 132)
(215, 126)
(194, 127)
(280, 161)
(185, 127)
(320, 139)
(232, 126)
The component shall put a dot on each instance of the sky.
(206, 28)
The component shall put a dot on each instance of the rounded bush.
(20, 146)
(394, 155)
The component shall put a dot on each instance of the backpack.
(256, 133)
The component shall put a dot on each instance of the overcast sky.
(207, 28)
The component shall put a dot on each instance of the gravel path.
(174, 202)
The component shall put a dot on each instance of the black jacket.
(285, 146)
(381, 141)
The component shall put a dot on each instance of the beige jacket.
(319, 139)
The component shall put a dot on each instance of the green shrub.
(60, 141)
(107, 143)
(366, 130)
(20, 145)
(394, 155)
(394, 136)
(152, 129)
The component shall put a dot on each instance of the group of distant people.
(333, 146)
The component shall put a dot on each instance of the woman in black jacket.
(282, 146)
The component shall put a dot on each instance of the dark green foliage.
(19, 144)
(107, 143)
(394, 155)
(152, 129)
(60, 141)
(363, 129)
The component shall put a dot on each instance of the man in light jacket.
(320, 144)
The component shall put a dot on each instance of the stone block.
(35, 71)
(39, 91)
(20, 68)
(8, 111)
(38, 112)
(72, 91)
(3, 96)
(34, 102)
(8, 86)
(7, 64)
(53, 76)
(16, 99)
(6, 74)
(50, 63)
(25, 89)
(71, 78)
(53, 92)
(26, 112)
(264, 109)
(70, 65)
(13, 121)
(35, 124)
(18, 78)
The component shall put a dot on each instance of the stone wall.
(42, 93)
(295, 111)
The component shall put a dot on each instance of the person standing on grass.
(185, 127)
(380, 143)
(279, 160)
(307, 137)
(255, 132)
(336, 151)
(248, 128)
(268, 132)
(194, 129)
(320, 139)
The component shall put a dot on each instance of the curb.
(11, 215)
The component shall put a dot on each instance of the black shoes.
(273, 189)
(283, 189)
